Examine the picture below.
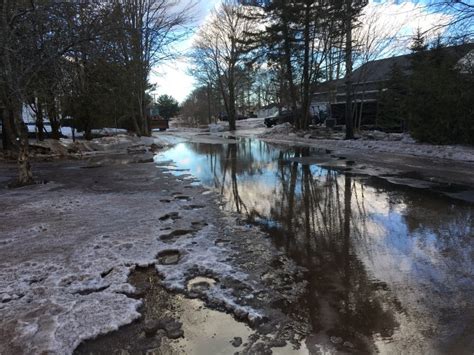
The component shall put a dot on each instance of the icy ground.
(401, 144)
(371, 141)
(68, 246)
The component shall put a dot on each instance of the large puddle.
(390, 268)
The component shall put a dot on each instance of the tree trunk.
(87, 132)
(87, 127)
(25, 175)
(53, 119)
(4, 133)
(231, 112)
(347, 211)
(40, 121)
(348, 113)
(289, 68)
(303, 121)
(9, 141)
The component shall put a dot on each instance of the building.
(370, 79)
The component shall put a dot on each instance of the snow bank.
(215, 127)
(396, 143)
(118, 143)
(281, 129)
(109, 131)
(64, 270)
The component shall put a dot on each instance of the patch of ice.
(281, 129)
(109, 131)
(390, 143)
(66, 280)
(213, 127)
(204, 258)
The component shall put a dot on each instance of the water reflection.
(389, 270)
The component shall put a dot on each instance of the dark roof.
(379, 70)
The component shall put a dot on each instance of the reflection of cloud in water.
(399, 263)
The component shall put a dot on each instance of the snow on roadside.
(374, 142)
(109, 131)
(65, 147)
(64, 269)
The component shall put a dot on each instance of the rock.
(150, 327)
(236, 342)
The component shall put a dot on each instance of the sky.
(171, 77)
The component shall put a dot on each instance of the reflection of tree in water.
(228, 162)
(321, 219)
(232, 161)
(318, 231)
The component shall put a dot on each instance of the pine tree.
(440, 97)
(393, 101)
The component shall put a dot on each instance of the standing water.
(390, 269)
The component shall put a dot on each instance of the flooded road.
(389, 268)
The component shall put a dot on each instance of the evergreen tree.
(392, 102)
(167, 106)
(440, 97)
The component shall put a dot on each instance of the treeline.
(434, 98)
(254, 53)
(286, 48)
(88, 61)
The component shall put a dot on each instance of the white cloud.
(390, 21)
(387, 27)
(171, 77)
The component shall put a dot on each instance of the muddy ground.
(69, 245)
(117, 253)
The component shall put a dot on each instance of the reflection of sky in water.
(412, 241)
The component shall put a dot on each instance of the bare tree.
(149, 28)
(22, 57)
(219, 52)
(461, 17)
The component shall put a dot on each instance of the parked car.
(238, 117)
(279, 118)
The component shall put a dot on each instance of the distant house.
(370, 79)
